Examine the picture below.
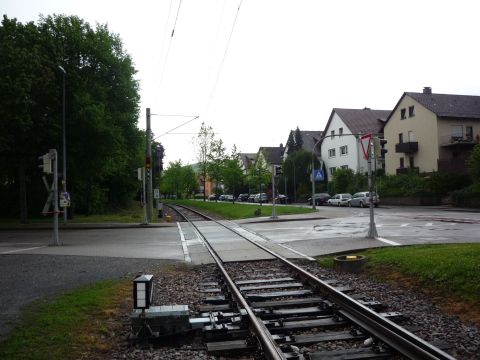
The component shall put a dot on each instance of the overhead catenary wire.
(223, 58)
(170, 44)
(177, 127)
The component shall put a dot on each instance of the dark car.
(243, 197)
(320, 199)
(251, 198)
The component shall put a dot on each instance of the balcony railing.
(457, 166)
(406, 147)
(450, 140)
(407, 170)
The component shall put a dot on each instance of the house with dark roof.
(429, 132)
(270, 155)
(309, 138)
(246, 161)
(341, 146)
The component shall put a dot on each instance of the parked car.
(281, 199)
(221, 198)
(362, 199)
(320, 199)
(228, 198)
(339, 200)
(212, 197)
(261, 197)
(251, 198)
(243, 197)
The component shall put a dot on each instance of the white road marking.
(297, 252)
(404, 225)
(390, 242)
(429, 224)
(19, 250)
(184, 244)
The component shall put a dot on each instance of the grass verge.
(242, 211)
(449, 273)
(70, 326)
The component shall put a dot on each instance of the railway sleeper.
(352, 354)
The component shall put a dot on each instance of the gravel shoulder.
(26, 278)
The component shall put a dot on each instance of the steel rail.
(269, 346)
(390, 333)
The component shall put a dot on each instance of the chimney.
(427, 90)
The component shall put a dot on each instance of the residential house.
(341, 146)
(429, 132)
(309, 138)
(270, 156)
(246, 161)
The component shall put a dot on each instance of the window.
(457, 132)
(468, 133)
(400, 138)
(410, 136)
(340, 131)
(332, 133)
(332, 170)
(402, 114)
(411, 111)
(331, 153)
(402, 163)
(343, 150)
(344, 166)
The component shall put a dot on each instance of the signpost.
(366, 142)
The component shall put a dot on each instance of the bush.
(467, 197)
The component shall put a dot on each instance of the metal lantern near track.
(142, 291)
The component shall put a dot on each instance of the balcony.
(408, 170)
(456, 166)
(457, 141)
(406, 147)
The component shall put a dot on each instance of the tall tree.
(216, 159)
(203, 143)
(298, 139)
(290, 144)
(104, 144)
(232, 173)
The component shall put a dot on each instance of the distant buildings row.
(425, 132)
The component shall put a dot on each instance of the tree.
(203, 142)
(232, 173)
(297, 170)
(104, 144)
(474, 164)
(298, 140)
(178, 180)
(259, 175)
(216, 159)
(290, 144)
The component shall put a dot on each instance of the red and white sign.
(366, 141)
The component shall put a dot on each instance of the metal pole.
(53, 156)
(313, 180)
(144, 198)
(372, 230)
(274, 212)
(64, 153)
(149, 156)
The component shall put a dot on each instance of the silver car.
(339, 200)
(362, 199)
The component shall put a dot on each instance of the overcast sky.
(287, 64)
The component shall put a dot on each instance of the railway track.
(278, 310)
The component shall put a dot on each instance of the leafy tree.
(474, 163)
(232, 173)
(216, 159)
(190, 184)
(203, 143)
(290, 144)
(259, 174)
(104, 144)
(298, 139)
(297, 171)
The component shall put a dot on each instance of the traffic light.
(383, 151)
(278, 170)
(45, 163)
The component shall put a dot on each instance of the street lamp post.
(64, 156)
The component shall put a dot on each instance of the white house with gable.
(341, 149)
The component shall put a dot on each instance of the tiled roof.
(363, 120)
(310, 138)
(273, 155)
(247, 159)
(445, 105)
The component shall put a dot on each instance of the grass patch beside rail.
(449, 273)
(241, 210)
(66, 327)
